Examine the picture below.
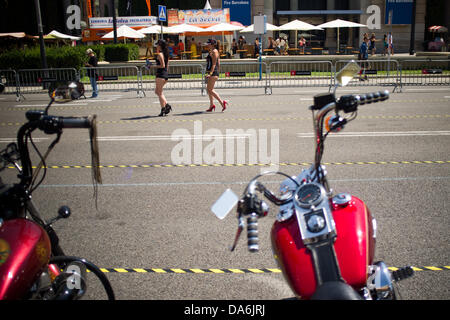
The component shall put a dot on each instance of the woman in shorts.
(212, 74)
(162, 75)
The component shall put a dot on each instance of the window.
(341, 5)
(282, 5)
(312, 5)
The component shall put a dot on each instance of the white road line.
(187, 101)
(44, 105)
(429, 89)
(9, 140)
(223, 183)
(175, 138)
(380, 134)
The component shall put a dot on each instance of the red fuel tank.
(24, 253)
(354, 246)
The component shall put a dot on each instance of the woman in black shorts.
(162, 75)
(212, 74)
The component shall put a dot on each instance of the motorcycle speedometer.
(309, 194)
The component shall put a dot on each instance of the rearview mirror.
(347, 73)
(224, 204)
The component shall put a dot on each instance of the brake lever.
(241, 227)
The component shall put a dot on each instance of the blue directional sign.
(162, 13)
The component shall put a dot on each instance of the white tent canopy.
(182, 28)
(207, 6)
(269, 27)
(338, 23)
(60, 35)
(125, 32)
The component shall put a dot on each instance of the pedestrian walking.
(390, 43)
(212, 74)
(363, 56)
(92, 73)
(372, 47)
(162, 75)
(385, 45)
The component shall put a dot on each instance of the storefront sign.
(204, 17)
(172, 17)
(240, 10)
(107, 22)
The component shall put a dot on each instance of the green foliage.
(67, 56)
(121, 52)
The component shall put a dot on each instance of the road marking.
(9, 140)
(233, 270)
(192, 165)
(175, 138)
(208, 119)
(187, 101)
(222, 183)
(45, 105)
(380, 134)
(429, 89)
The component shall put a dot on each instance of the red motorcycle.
(32, 263)
(323, 243)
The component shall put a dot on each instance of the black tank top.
(161, 72)
(209, 64)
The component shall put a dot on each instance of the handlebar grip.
(252, 233)
(75, 122)
(373, 97)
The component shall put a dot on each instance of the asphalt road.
(153, 214)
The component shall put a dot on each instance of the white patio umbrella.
(223, 27)
(60, 35)
(182, 28)
(338, 23)
(154, 29)
(125, 32)
(251, 28)
(298, 25)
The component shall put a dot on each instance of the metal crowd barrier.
(31, 81)
(243, 74)
(181, 77)
(374, 73)
(425, 72)
(120, 78)
(301, 74)
(10, 85)
(234, 74)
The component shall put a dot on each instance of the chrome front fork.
(380, 282)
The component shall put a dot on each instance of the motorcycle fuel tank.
(354, 246)
(24, 253)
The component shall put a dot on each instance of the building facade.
(373, 13)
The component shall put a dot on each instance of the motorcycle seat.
(335, 290)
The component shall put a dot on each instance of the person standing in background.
(92, 73)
